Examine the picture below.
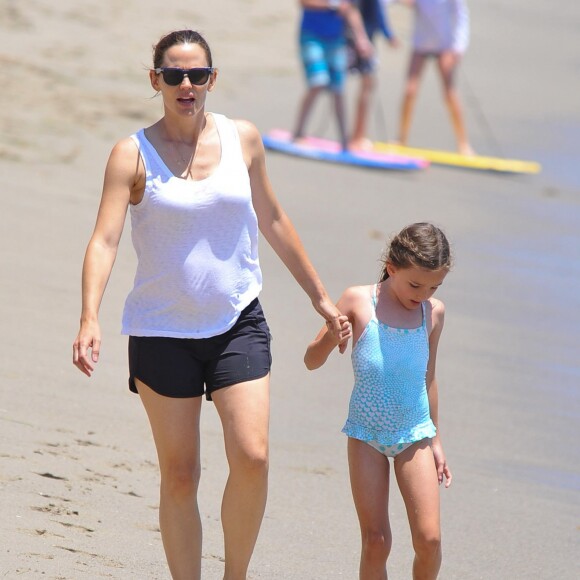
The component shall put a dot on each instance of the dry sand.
(78, 473)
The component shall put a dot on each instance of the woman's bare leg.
(244, 413)
(448, 63)
(369, 480)
(417, 479)
(416, 65)
(175, 427)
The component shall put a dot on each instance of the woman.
(197, 189)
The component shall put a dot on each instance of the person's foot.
(299, 140)
(467, 150)
(362, 144)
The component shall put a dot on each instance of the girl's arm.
(121, 178)
(281, 235)
(320, 348)
(437, 320)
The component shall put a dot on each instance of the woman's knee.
(253, 461)
(181, 479)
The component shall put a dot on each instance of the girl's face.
(184, 98)
(413, 285)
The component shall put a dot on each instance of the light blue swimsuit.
(389, 407)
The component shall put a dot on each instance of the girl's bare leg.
(416, 65)
(417, 479)
(244, 411)
(448, 63)
(175, 427)
(369, 480)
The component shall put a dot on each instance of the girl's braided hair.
(422, 245)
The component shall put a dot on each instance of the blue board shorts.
(190, 367)
(324, 61)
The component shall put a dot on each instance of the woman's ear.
(391, 270)
(154, 79)
(212, 79)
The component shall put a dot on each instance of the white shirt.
(196, 244)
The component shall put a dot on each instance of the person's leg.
(448, 63)
(175, 427)
(336, 58)
(417, 479)
(358, 138)
(312, 52)
(244, 411)
(369, 480)
(338, 99)
(416, 65)
(305, 109)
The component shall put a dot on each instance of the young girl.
(396, 325)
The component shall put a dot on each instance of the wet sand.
(78, 472)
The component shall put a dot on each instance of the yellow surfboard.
(458, 160)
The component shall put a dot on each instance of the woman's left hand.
(338, 324)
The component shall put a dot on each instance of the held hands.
(88, 338)
(341, 331)
(441, 464)
(337, 324)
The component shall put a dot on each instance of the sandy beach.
(78, 469)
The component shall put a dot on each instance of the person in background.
(324, 57)
(196, 186)
(441, 33)
(375, 19)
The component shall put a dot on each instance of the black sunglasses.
(174, 76)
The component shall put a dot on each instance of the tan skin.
(187, 140)
(421, 467)
(447, 64)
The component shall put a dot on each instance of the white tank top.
(196, 245)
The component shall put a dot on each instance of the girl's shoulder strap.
(374, 300)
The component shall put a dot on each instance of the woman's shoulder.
(246, 129)
(126, 144)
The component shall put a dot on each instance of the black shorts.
(190, 367)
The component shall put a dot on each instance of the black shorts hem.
(261, 375)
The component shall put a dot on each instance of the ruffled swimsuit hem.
(417, 433)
